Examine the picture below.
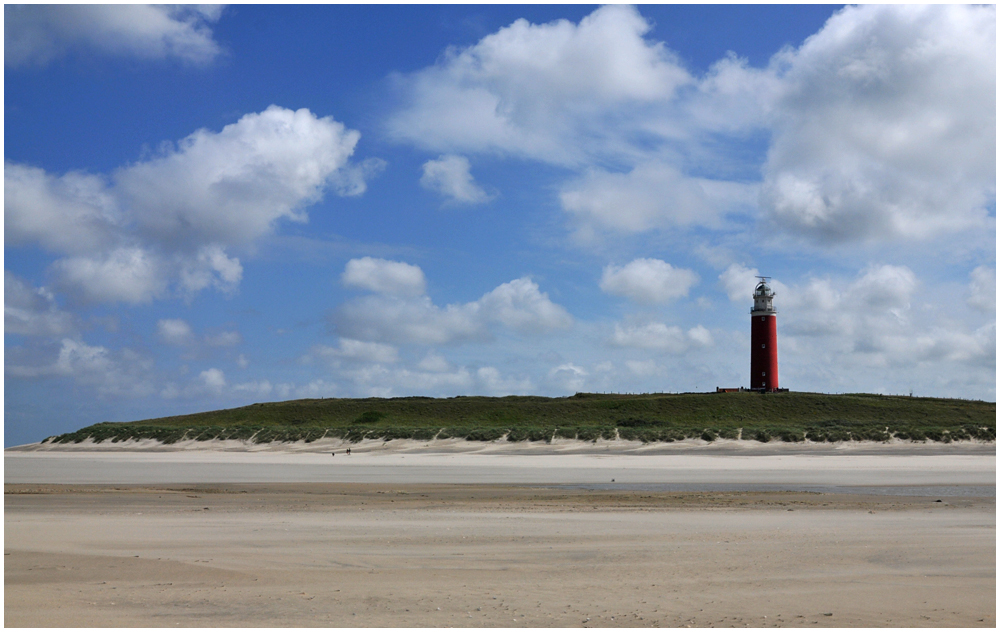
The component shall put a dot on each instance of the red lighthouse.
(763, 339)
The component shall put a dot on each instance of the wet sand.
(473, 555)
(746, 463)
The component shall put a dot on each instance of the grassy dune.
(649, 418)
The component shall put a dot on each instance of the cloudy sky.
(209, 207)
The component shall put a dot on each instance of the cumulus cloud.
(652, 195)
(36, 34)
(738, 281)
(568, 377)
(177, 332)
(214, 380)
(520, 306)
(489, 380)
(983, 289)
(449, 175)
(870, 322)
(434, 363)
(30, 311)
(130, 275)
(73, 213)
(586, 96)
(661, 337)
(648, 281)
(886, 125)
(880, 126)
(402, 321)
(168, 221)
(230, 187)
(356, 351)
(383, 381)
(539, 91)
(875, 302)
(209, 267)
(174, 331)
(120, 372)
(393, 278)
(396, 315)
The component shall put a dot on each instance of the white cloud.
(30, 311)
(213, 380)
(130, 275)
(174, 331)
(492, 382)
(449, 175)
(210, 267)
(74, 213)
(648, 281)
(434, 363)
(700, 336)
(389, 317)
(402, 321)
(111, 373)
(860, 313)
(541, 91)
(36, 34)
(869, 324)
(177, 332)
(231, 187)
(643, 368)
(983, 289)
(382, 381)
(880, 126)
(393, 278)
(169, 220)
(520, 306)
(886, 125)
(357, 350)
(738, 281)
(884, 287)
(652, 195)
(661, 337)
(568, 377)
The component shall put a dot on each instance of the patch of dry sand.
(343, 555)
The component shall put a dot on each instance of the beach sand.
(456, 533)
(474, 555)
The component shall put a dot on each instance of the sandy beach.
(680, 538)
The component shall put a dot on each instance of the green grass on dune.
(586, 416)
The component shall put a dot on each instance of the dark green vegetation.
(648, 418)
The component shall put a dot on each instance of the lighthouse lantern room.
(763, 339)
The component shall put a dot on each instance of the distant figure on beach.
(348, 452)
(333, 454)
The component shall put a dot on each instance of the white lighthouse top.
(763, 298)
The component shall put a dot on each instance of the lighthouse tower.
(763, 339)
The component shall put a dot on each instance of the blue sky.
(208, 207)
